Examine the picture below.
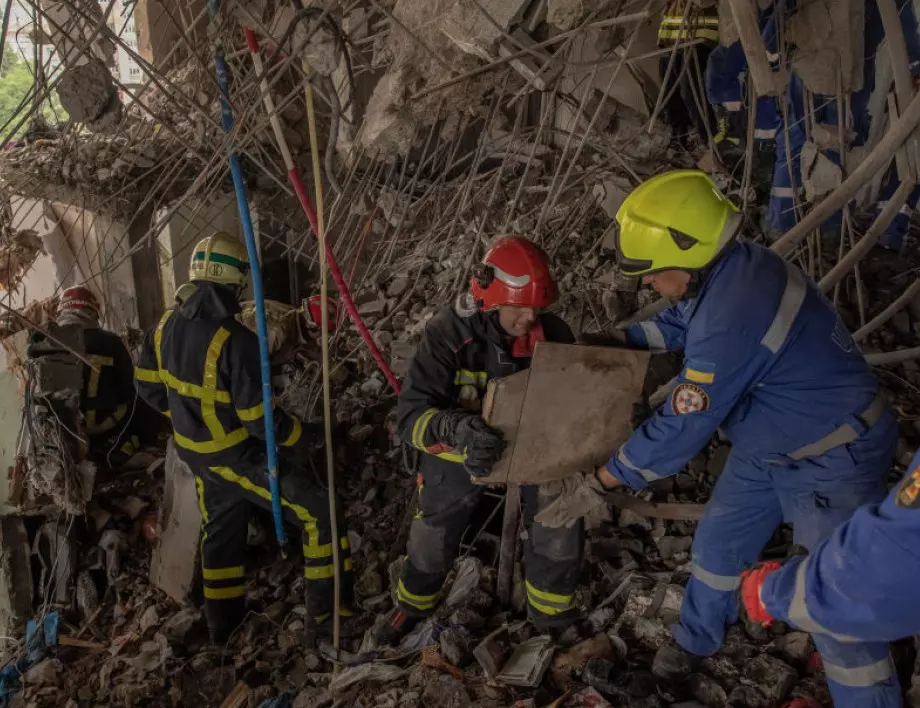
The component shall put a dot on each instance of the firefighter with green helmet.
(200, 367)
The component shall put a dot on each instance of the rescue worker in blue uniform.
(200, 367)
(859, 584)
(489, 334)
(768, 361)
(787, 185)
(726, 72)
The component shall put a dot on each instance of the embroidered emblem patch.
(908, 495)
(689, 398)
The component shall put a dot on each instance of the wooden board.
(567, 414)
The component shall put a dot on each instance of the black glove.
(468, 432)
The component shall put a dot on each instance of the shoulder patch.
(701, 372)
(908, 494)
(689, 398)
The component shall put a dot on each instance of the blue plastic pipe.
(226, 114)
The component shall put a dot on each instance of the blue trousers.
(751, 499)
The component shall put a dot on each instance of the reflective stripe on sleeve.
(421, 425)
(247, 415)
(236, 571)
(653, 336)
(296, 432)
(647, 475)
(798, 610)
(789, 306)
(224, 593)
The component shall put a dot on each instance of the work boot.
(674, 664)
(350, 625)
(224, 617)
(395, 627)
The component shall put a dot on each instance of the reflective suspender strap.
(789, 305)
(846, 433)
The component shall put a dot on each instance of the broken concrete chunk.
(49, 672)
(773, 677)
(794, 647)
(87, 91)
(568, 664)
(819, 175)
(446, 692)
(476, 30)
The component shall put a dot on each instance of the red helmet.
(515, 271)
(78, 298)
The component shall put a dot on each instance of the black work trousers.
(226, 496)
(447, 499)
(681, 111)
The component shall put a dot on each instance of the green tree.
(16, 80)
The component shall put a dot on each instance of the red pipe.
(344, 292)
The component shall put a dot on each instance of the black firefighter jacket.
(200, 367)
(455, 360)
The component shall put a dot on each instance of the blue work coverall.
(767, 360)
(781, 214)
(861, 583)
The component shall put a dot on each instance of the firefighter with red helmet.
(108, 399)
(490, 333)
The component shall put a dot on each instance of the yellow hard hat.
(675, 221)
(219, 258)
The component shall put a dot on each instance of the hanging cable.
(239, 187)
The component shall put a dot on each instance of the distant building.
(21, 37)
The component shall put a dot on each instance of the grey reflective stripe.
(860, 676)
(647, 475)
(798, 610)
(766, 134)
(725, 583)
(789, 306)
(653, 336)
(846, 433)
(784, 192)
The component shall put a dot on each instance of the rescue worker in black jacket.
(201, 368)
(490, 333)
(107, 400)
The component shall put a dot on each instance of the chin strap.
(523, 346)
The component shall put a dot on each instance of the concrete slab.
(575, 406)
(174, 566)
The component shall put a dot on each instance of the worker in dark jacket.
(859, 584)
(201, 368)
(490, 333)
(107, 400)
(769, 363)
(692, 26)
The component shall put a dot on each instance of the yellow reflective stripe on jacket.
(421, 425)
(324, 572)
(236, 571)
(250, 414)
(324, 550)
(296, 432)
(158, 338)
(94, 428)
(452, 456)
(307, 519)
(92, 386)
(224, 593)
(711, 35)
(147, 375)
(209, 382)
(208, 446)
(464, 377)
(190, 390)
(419, 602)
